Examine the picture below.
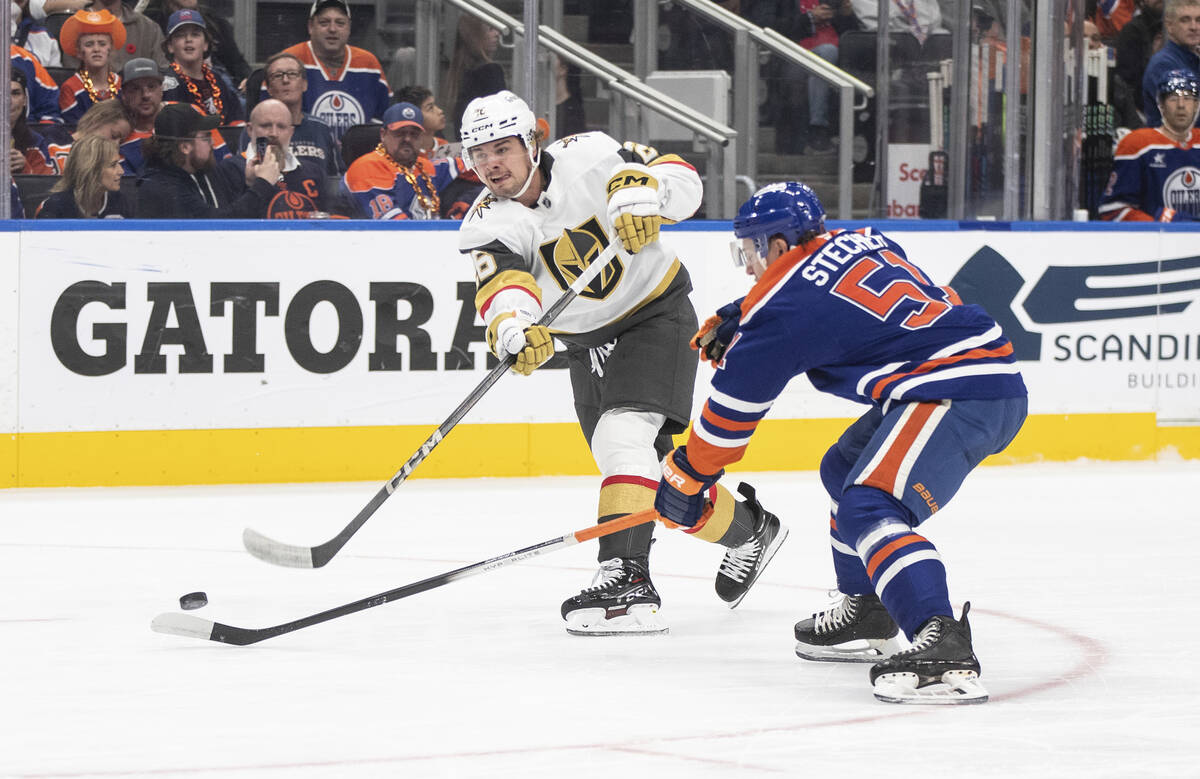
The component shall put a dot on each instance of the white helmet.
(492, 117)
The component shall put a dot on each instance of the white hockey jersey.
(555, 240)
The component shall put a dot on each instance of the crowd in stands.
(371, 152)
(159, 115)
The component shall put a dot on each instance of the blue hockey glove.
(682, 490)
(713, 337)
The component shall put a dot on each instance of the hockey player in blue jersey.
(1156, 170)
(848, 310)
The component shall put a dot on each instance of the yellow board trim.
(168, 457)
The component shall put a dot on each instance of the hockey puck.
(193, 600)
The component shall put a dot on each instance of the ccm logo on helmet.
(629, 180)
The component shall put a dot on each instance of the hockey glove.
(633, 203)
(713, 337)
(682, 491)
(513, 334)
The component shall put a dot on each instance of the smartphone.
(260, 147)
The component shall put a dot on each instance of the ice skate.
(620, 600)
(855, 629)
(939, 668)
(743, 564)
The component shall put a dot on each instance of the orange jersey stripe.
(974, 354)
(725, 424)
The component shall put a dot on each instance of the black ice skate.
(941, 666)
(743, 564)
(856, 629)
(621, 600)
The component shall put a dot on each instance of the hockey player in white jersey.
(546, 214)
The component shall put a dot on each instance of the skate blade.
(850, 652)
(954, 688)
(643, 619)
(771, 550)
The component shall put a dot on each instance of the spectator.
(472, 72)
(106, 119)
(346, 85)
(920, 18)
(1110, 17)
(689, 41)
(91, 184)
(90, 38)
(816, 25)
(17, 207)
(1138, 39)
(142, 36)
(300, 194)
(1156, 169)
(31, 35)
(42, 106)
(190, 78)
(142, 97)
(431, 145)
(179, 181)
(311, 139)
(223, 48)
(568, 90)
(393, 182)
(1181, 23)
(30, 154)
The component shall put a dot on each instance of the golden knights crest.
(568, 256)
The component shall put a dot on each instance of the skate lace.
(928, 636)
(739, 561)
(840, 613)
(610, 571)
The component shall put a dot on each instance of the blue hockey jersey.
(1153, 178)
(862, 323)
(356, 94)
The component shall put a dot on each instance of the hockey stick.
(195, 627)
(279, 553)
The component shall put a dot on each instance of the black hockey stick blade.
(191, 626)
(294, 556)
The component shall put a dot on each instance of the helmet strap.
(535, 157)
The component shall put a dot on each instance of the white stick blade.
(274, 552)
(187, 625)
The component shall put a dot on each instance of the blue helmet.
(1180, 81)
(790, 209)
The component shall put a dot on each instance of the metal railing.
(719, 192)
(747, 38)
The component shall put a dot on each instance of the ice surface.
(1082, 578)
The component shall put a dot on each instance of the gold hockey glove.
(633, 205)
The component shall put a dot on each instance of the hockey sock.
(905, 569)
(619, 496)
(852, 576)
(730, 524)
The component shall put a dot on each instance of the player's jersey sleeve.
(1126, 196)
(680, 187)
(758, 364)
(496, 237)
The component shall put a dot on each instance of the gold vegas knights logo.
(569, 255)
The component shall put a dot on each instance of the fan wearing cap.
(346, 85)
(223, 52)
(1156, 170)
(90, 37)
(190, 79)
(394, 182)
(179, 181)
(143, 38)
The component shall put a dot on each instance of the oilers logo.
(290, 205)
(339, 110)
(1181, 191)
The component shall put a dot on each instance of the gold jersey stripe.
(507, 278)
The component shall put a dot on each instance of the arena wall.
(237, 352)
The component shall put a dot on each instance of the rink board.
(167, 353)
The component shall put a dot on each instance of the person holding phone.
(299, 193)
